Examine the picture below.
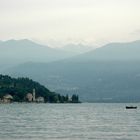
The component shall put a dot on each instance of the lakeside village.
(27, 90)
(31, 98)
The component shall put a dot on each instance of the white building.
(40, 100)
(29, 97)
(7, 98)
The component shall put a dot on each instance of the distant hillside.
(19, 88)
(13, 52)
(107, 74)
(112, 52)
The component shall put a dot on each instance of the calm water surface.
(69, 122)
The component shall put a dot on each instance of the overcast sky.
(64, 21)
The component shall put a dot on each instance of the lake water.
(69, 122)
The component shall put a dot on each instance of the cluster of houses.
(30, 97)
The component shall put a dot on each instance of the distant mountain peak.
(19, 41)
(77, 48)
(113, 44)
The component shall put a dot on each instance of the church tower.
(34, 95)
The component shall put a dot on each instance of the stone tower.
(34, 95)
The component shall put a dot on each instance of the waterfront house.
(40, 100)
(29, 97)
(7, 98)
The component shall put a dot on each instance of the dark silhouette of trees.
(20, 87)
(75, 98)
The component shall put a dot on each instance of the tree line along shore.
(27, 90)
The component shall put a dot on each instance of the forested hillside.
(20, 87)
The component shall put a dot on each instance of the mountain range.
(107, 74)
(14, 52)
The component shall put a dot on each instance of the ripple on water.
(68, 122)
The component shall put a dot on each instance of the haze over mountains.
(13, 52)
(108, 74)
(113, 51)
(77, 48)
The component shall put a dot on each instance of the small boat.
(131, 107)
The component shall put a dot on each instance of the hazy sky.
(64, 21)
